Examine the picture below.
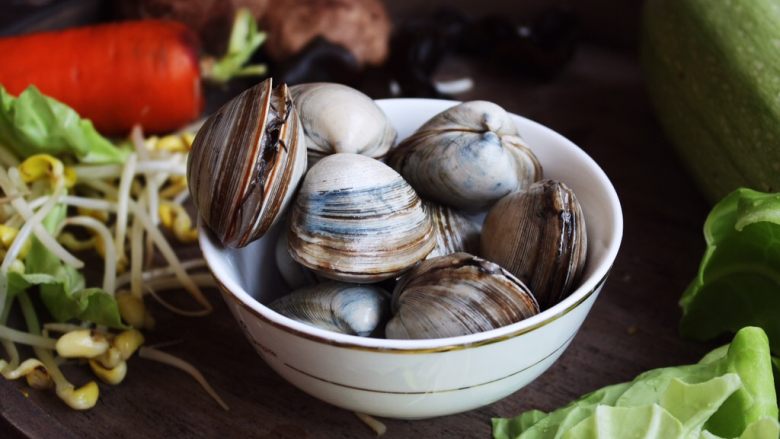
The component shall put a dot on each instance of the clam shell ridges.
(468, 156)
(476, 116)
(454, 231)
(294, 274)
(457, 295)
(356, 219)
(336, 306)
(540, 236)
(240, 177)
(337, 118)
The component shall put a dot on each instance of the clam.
(337, 118)
(539, 235)
(456, 295)
(468, 157)
(293, 273)
(246, 162)
(336, 306)
(454, 232)
(355, 219)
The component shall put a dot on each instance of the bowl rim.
(233, 291)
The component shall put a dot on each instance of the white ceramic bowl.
(423, 378)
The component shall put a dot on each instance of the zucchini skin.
(712, 69)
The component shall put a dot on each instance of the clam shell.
(336, 306)
(539, 235)
(456, 295)
(294, 274)
(355, 219)
(246, 162)
(454, 231)
(337, 118)
(468, 157)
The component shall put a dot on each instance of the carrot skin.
(115, 74)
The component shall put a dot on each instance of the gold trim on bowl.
(425, 392)
(227, 293)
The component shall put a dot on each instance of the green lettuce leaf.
(765, 428)
(88, 304)
(776, 365)
(729, 393)
(649, 421)
(738, 282)
(557, 422)
(749, 357)
(36, 124)
(694, 404)
(508, 428)
(61, 286)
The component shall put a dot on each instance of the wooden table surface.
(599, 102)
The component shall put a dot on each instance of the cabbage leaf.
(738, 282)
(729, 394)
(37, 124)
(62, 287)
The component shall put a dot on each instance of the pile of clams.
(454, 231)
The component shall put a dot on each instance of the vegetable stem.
(244, 41)
(166, 358)
(109, 270)
(121, 213)
(78, 399)
(14, 335)
(40, 232)
(170, 256)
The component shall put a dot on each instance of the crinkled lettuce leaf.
(730, 393)
(765, 428)
(738, 282)
(509, 428)
(647, 421)
(61, 286)
(749, 357)
(36, 124)
(560, 420)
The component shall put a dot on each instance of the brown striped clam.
(454, 295)
(294, 274)
(337, 306)
(246, 162)
(338, 118)
(467, 157)
(454, 232)
(539, 235)
(355, 219)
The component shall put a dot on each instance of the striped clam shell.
(294, 274)
(337, 118)
(454, 295)
(467, 157)
(539, 235)
(357, 220)
(246, 162)
(337, 306)
(454, 231)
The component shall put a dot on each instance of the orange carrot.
(116, 74)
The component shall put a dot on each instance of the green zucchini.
(712, 69)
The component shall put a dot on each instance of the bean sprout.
(166, 358)
(114, 209)
(124, 199)
(110, 254)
